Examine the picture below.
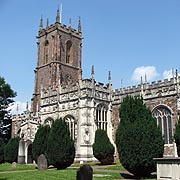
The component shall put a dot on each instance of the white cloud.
(149, 71)
(167, 74)
(21, 107)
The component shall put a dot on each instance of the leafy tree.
(40, 142)
(60, 148)
(103, 150)
(6, 98)
(2, 145)
(11, 150)
(177, 136)
(138, 138)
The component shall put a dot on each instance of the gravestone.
(42, 162)
(14, 164)
(85, 172)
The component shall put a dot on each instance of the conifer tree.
(11, 150)
(6, 98)
(138, 138)
(2, 146)
(103, 150)
(177, 136)
(60, 148)
(40, 142)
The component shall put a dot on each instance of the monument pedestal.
(21, 159)
(21, 152)
(168, 168)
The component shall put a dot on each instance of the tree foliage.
(177, 136)
(103, 150)
(11, 150)
(6, 98)
(60, 148)
(40, 142)
(2, 145)
(138, 138)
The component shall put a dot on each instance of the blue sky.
(130, 38)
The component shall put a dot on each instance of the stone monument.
(42, 162)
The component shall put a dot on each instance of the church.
(61, 92)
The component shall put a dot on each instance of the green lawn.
(114, 166)
(39, 175)
(29, 172)
(67, 174)
(8, 167)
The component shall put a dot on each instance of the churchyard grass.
(115, 166)
(67, 174)
(29, 172)
(40, 175)
(19, 167)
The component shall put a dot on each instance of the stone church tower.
(60, 92)
(58, 57)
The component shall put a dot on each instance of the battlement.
(25, 117)
(91, 83)
(84, 84)
(164, 88)
(147, 86)
(86, 87)
(60, 27)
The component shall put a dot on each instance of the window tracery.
(69, 52)
(46, 52)
(164, 120)
(72, 123)
(101, 116)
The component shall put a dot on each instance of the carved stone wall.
(53, 69)
(60, 91)
(162, 93)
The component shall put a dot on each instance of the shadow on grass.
(127, 175)
(99, 164)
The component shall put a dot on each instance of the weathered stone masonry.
(60, 92)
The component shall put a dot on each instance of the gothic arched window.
(69, 52)
(101, 116)
(164, 119)
(46, 53)
(48, 121)
(72, 123)
(28, 133)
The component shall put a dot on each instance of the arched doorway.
(29, 155)
(28, 152)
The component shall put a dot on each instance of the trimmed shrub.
(11, 150)
(138, 138)
(40, 142)
(2, 145)
(177, 136)
(103, 150)
(60, 148)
